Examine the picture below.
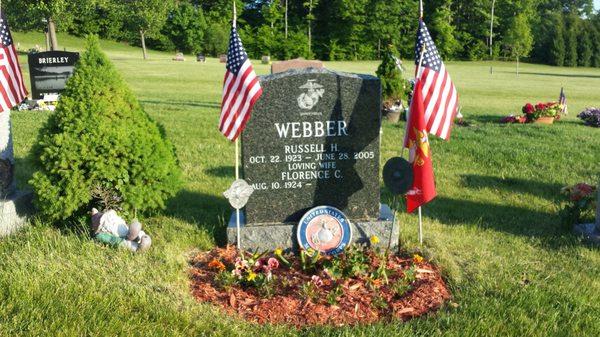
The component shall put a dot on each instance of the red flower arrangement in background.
(533, 112)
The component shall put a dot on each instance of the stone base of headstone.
(589, 231)
(269, 237)
(14, 211)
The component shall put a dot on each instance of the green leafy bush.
(393, 86)
(100, 148)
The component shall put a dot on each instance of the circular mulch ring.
(358, 303)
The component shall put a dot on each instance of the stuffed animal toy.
(109, 228)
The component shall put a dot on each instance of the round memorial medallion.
(325, 229)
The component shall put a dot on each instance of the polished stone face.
(313, 139)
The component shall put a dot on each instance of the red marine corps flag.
(423, 188)
(13, 87)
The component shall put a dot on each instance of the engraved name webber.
(312, 129)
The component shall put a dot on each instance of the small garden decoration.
(591, 117)
(361, 285)
(545, 113)
(580, 205)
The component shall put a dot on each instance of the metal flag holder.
(240, 191)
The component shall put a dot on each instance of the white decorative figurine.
(109, 228)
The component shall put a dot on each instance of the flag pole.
(418, 71)
(420, 227)
(237, 158)
(420, 9)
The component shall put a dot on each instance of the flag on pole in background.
(13, 89)
(440, 98)
(423, 187)
(241, 89)
(562, 100)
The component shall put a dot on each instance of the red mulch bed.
(354, 306)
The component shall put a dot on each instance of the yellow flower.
(374, 240)
(417, 258)
(278, 252)
(251, 276)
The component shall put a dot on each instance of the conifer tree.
(392, 83)
(557, 41)
(584, 46)
(101, 145)
(570, 36)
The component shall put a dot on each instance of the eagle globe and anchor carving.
(314, 91)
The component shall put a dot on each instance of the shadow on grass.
(221, 171)
(549, 191)
(208, 212)
(509, 219)
(552, 74)
(211, 105)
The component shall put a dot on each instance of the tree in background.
(186, 28)
(310, 18)
(443, 30)
(570, 34)
(396, 24)
(519, 38)
(28, 15)
(557, 41)
(100, 144)
(585, 46)
(147, 17)
(595, 34)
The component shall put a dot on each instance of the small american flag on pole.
(562, 100)
(241, 89)
(440, 98)
(13, 89)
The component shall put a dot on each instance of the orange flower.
(417, 258)
(216, 264)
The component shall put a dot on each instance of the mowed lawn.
(494, 228)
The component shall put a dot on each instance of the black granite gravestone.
(49, 72)
(312, 140)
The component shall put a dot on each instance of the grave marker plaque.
(313, 140)
(49, 72)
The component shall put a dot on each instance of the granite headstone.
(281, 66)
(313, 140)
(14, 205)
(49, 72)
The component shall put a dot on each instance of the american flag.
(13, 89)
(241, 89)
(562, 100)
(440, 98)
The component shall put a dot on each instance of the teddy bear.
(109, 228)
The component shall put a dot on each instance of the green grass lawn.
(494, 228)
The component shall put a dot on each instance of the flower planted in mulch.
(360, 286)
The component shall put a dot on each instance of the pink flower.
(273, 263)
(316, 281)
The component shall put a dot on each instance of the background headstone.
(266, 59)
(281, 66)
(14, 205)
(223, 58)
(200, 58)
(313, 140)
(49, 72)
(179, 57)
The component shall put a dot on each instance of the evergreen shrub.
(100, 148)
